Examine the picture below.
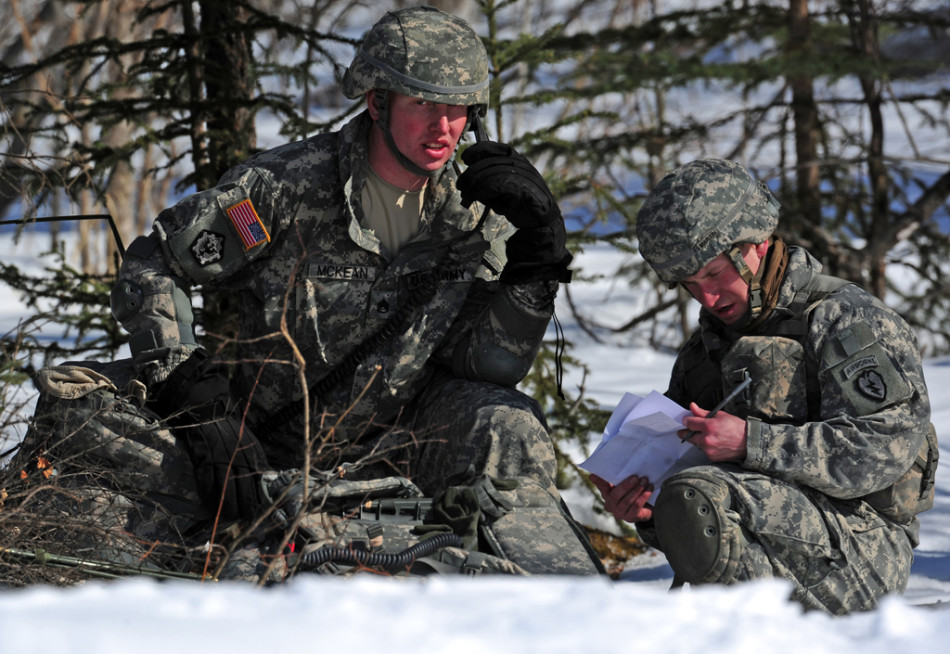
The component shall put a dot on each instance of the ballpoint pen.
(735, 391)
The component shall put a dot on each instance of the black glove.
(228, 460)
(538, 254)
(505, 182)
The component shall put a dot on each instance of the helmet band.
(420, 84)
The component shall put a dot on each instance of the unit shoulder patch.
(871, 385)
(208, 248)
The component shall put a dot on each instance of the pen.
(735, 391)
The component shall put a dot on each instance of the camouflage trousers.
(462, 433)
(840, 555)
(471, 429)
(474, 431)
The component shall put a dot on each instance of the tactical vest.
(778, 355)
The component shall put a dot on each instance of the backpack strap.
(797, 317)
(798, 311)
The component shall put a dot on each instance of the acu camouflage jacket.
(840, 406)
(284, 230)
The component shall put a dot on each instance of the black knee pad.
(701, 542)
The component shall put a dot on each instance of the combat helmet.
(422, 52)
(699, 211)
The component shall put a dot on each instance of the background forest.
(110, 110)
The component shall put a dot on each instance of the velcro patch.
(248, 224)
(208, 248)
(343, 271)
(871, 385)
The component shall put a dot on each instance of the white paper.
(640, 439)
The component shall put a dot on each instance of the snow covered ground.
(524, 615)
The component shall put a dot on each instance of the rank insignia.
(872, 385)
(248, 224)
(208, 248)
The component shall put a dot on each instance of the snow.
(550, 615)
(498, 614)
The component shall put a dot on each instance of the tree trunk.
(864, 29)
(805, 116)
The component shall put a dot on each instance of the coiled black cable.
(389, 562)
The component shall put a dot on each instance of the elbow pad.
(150, 303)
(125, 300)
(496, 365)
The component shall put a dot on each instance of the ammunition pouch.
(776, 366)
(914, 491)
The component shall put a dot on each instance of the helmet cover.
(699, 211)
(424, 53)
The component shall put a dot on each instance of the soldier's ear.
(372, 103)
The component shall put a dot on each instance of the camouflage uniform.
(837, 411)
(436, 342)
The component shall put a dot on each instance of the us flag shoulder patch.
(248, 224)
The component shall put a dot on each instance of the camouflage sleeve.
(203, 239)
(500, 345)
(211, 234)
(874, 409)
(496, 335)
(153, 305)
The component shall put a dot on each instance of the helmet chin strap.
(754, 281)
(382, 105)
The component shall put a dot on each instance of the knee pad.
(701, 542)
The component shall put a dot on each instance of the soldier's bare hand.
(628, 499)
(721, 438)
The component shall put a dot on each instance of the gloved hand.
(227, 457)
(505, 182)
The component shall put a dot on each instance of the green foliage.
(12, 375)
(73, 304)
